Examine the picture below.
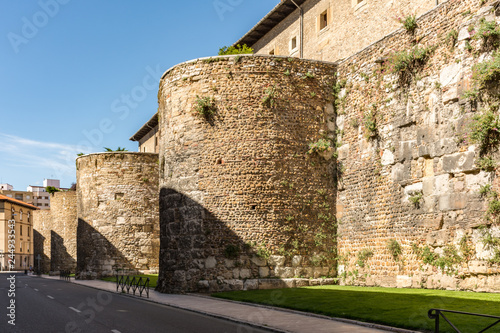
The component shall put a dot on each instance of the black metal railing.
(436, 313)
(127, 283)
(64, 275)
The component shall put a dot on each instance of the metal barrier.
(64, 275)
(124, 282)
(436, 313)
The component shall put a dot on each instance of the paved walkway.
(266, 317)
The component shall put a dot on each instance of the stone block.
(403, 281)
(463, 34)
(450, 95)
(245, 273)
(452, 201)
(277, 260)
(301, 282)
(459, 162)
(210, 262)
(450, 74)
(251, 284)
(272, 284)
(296, 261)
(387, 157)
(263, 272)
(258, 261)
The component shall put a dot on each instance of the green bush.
(486, 72)
(239, 49)
(489, 33)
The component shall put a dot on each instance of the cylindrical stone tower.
(118, 225)
(63, 231)
(243, 195)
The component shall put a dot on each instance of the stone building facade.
(330, 30)
(147, 136)
(55, 233)
(118, 229)
(241, 200)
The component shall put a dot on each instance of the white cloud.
(57, 158)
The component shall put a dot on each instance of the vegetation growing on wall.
(205, 106)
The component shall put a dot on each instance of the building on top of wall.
(147, 136)
(329, 30)
(41, 198)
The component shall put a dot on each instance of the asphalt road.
(42, 305)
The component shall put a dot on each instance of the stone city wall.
(42, 226)
(416, 201)
(118, 226)
(241, 200)
(55, 233)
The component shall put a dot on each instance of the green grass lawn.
(153, 279)
(404, 308)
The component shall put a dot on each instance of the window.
(46, 205)
(293, 44)
(20, 215)
(19, 196)
(323, 20)
(21, 230)
(271, 52)
(27, 197)
(29, 232)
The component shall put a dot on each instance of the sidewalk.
(266, 317)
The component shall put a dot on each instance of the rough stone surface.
(55, 233)
(425, 122)
(240, 184)
(118, 225)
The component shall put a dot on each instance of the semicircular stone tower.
(247, 177)
(118, 226)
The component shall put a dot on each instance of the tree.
(235, 50)
(119, 149)
(51, 189)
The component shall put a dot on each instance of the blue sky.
(77, 76)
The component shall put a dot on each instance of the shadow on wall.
(96, 256)
(61, 259)
(39, 243)
(200, 253)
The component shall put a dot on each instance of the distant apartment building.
(8, 191)
(16, 234)
(41, 198)
(34, 195)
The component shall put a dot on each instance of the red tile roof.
(15, 201)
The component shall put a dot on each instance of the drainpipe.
(301, 51)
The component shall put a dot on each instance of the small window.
(323, 20)
(119, 196)
(271, 52)
(46, 205)
(29, 232)
(20, 215)
(294, 43)
(21, 230)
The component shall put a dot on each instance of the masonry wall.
(42, 225)
(351, 27)
(55, 233)
(63, 231)
(118, 225)
(241, 200)
(415, 179)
